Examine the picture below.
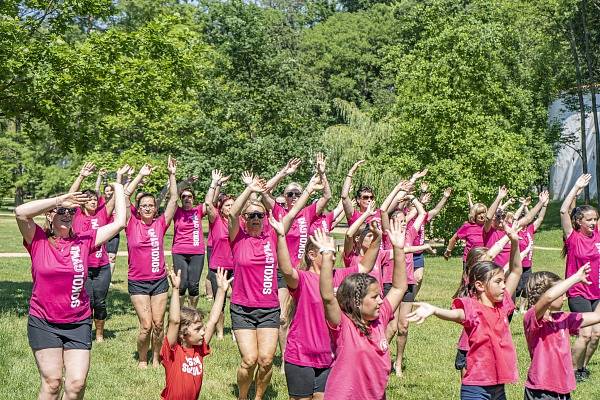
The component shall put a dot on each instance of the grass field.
(429, 359)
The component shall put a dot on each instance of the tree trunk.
(592, 83)
(581, 107)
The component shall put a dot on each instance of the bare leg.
(284, 303)
(220, 326)
(50, 365)
(592, 345)
(419, 278)
(267, 346)
(246, 340)
(141, 303)
(402, 335)
(77, 364)
(158, 305)
(99, 323)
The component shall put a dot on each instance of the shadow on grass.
(269, 393)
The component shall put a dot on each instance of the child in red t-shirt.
(491, 358)
(186, 342)
(547, 331)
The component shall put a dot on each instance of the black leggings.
(96, 287)
(191, 268)
(212, 277)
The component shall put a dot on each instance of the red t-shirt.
(184, 369)
(491, 358)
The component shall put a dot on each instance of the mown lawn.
(429, 360)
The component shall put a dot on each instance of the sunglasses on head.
(292, 194)
(64, 210)
(367, 197)
(254, 215)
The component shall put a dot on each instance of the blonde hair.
(253, 202)
(538, 284)
(188, 316)
(477, 209)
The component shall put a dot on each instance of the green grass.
(429, 359)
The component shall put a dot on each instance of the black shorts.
(580, 304)
(281, 280)
(212, 277)
(148, 288)
(419, 260)
(112, 246)
(460, 361)
(305, 381)
(208, 253)
(535, 394)
(47, 335)
(522, 286)
(409, 296)
(243, 317)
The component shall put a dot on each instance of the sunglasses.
(293, 194)
(64, 210)
(367, 197)
(147, 207)
(254, 215)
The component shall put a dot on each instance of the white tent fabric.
(567, 165)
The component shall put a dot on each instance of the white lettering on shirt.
(303, 236)
(155, 250)
(269, 269)
(78, 276)
(95, 227)
(192, 366)
(196, 232)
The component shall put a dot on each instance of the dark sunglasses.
(64, 210)
(254, 215)
(293, 194)
(367, 197)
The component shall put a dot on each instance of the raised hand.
(502, 192)
(512, 231)
(171, 165)
(87, 169)
(74, 199)
(315, 183)
(406, 186)
(583, 180)
(419, 316)
(426, 198)
(123, 170)
(292, 166)
(544, 197)
(277, 225)
(320, 164)
(102, 172)
(526, 201)
(397, 233)
(355, 167)
(322, 240)
(216, 175)
(222, 281)
(146, 170)
(447, 192)
(174, 278)
(424, 186)
(223, 179)
(375, 229)
(258, 185)
(419, 174)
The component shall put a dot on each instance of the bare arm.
(420, 219)
(491, 212)
(106, 232)
(370, 257)
(333, 313)
(540, 218)
(515, 267)
(559, 289)
(565, 210)
(450, 247)
(324, 199)
(290, 274)
(425, 310)
(345, 195)
(174, 308)
(215, 310)
(210, 194)
(253, 184)
(397, 233)
(85, 171)
(288, 219)
(438, 207)
(99, 178)
(288, 169)
(528, 219)
(173, 193)
(353, 229)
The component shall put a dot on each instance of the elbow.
(20, 214)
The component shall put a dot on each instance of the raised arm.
(290, 274)
(173, 192)
(99, 179)
(353, 229)
(324, 199)
(85, 171)
(367, 263)
(215, 311)
(515, 267)
(470, 200)
(397, 234)
(559, 289)
(253, 184)
(108, 231)
(438, 207)
(399, 191)
(346, 201)
(291, 167)
(491, 212)
(540, 218)
(420, 218)
(209, 205)
(523, 207)
(565, 210)
(528, 219)
(174, 307)
(426, 310)
(326, 246)
(25, 212)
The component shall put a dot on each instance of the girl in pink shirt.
(59, 326)
(357, 318)
(147, 277)
(255, 309)
(491, 358)
(582, 245)
(547, 330)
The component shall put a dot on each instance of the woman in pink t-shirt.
(491, 358)
(547, 330)
(471, 232)
(582, 245)
(254, 304)
(357, 318)
(59, 328)
(147, 282)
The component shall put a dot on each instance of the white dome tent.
(568, 165)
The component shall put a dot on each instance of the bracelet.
(126, 193)
(324, 249)
(349, 176)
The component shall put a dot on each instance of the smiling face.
(91, 205)
(61, 220)
(147, 207)
(371, 303)
(187, 199)
(588, 222)
(364, 198)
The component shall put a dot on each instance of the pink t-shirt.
(526, 240)
(188, 237)
(308, 342)
(490, 238)
(472, 234)
(550, 350)
(362, 363)
(419, 240)
(98, 257)
(491, 358)
(411, 233)
(323, 222)
(580, 250)
(255, 269)
(339, 274)
(382, 263)
(356, 215)
(220, 255)
(297, 236)
(145, 245)
(59, 273)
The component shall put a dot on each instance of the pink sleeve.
(132, 209)
(386, 314)
(204, 349)
(465, 304)
(530, 322)
(162, 223)
(573, 322)
(278, 212)
(461, 233)
(311, 213)
(38, 235)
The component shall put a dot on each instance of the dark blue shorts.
(419, 260)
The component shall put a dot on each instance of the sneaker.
(585, 372)
(579, 376)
